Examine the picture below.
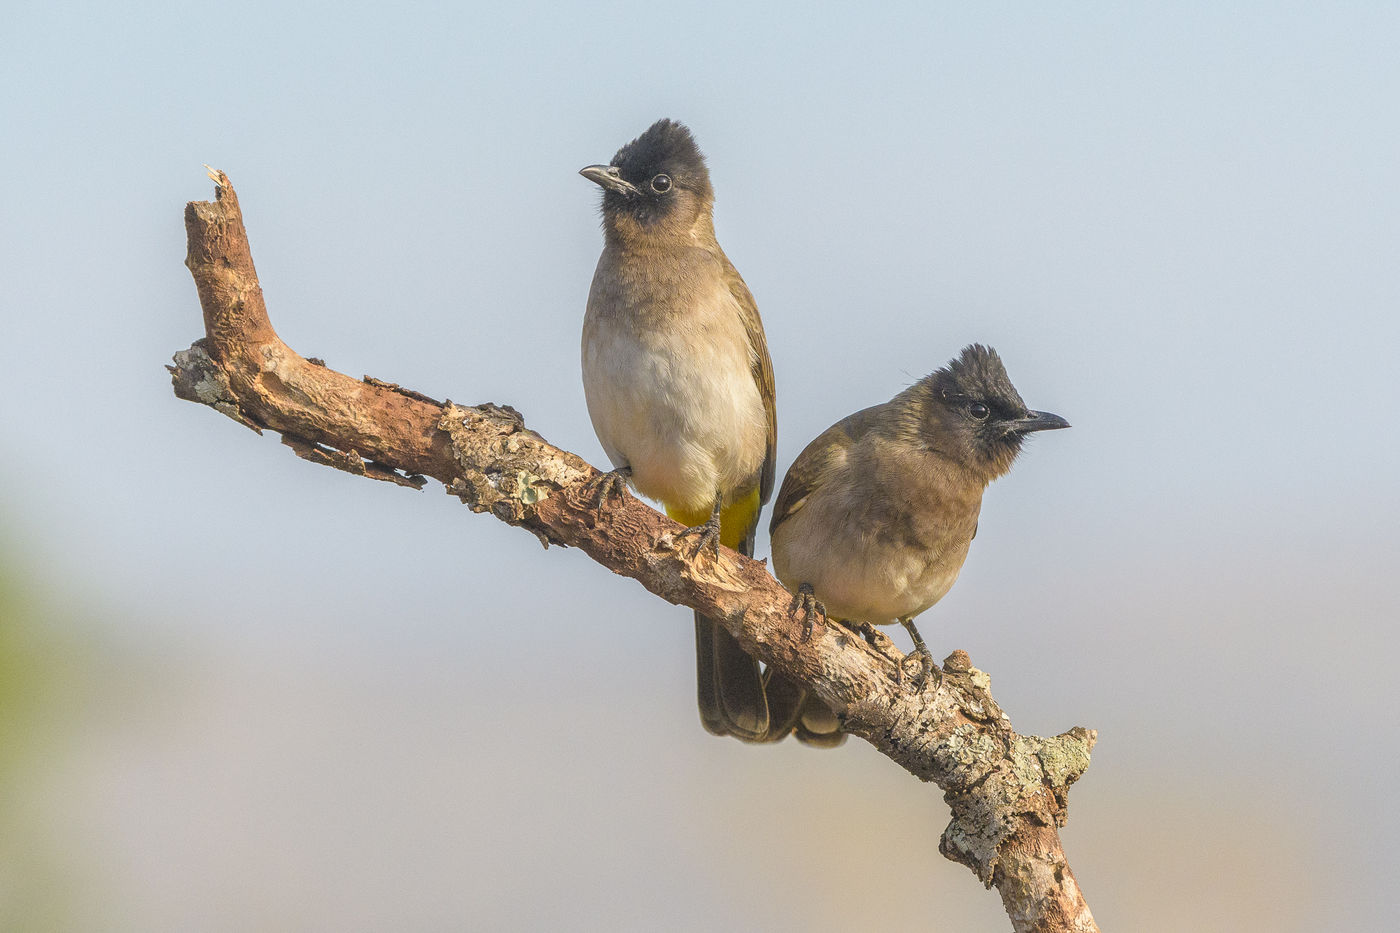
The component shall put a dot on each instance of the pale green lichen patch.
(974, 837)
(967, 753)
(530, 489)
(986, 815)
(1025, 765)
(196, 373)
(500, 488)
(197, 378)
(1065, 758)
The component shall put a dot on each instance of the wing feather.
(761, 365)
(820, 459)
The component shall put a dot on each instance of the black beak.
(609, 177)
(1035, 421)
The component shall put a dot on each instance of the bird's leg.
(610, 484)
(805, 599)
(926, 662)
(883, 647)
(708, 531)
(874, 637)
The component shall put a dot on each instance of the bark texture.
(1007, 792)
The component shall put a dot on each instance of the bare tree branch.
(1007, 792)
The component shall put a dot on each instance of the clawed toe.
(610, 485)
(805, 600)
(927, 667)
(708, 535)
(926, 662)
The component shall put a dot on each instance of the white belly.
(679, 405)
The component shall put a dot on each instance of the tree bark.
(1008, 792)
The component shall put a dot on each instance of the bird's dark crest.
(667, 146)
(978, 373)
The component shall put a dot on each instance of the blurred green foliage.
(37, 664)
(22, 669)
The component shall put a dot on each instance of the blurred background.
(240, 692)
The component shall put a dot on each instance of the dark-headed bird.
(678, 380)
(875, 516)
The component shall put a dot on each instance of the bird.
(874, 518)
(679, 382)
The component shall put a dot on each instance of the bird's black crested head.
(973, 414)
(978, 373)
(668, 148)
(657, 182)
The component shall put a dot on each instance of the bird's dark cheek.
(615, 200)
(648, 211)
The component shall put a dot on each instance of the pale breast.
(860, 577)
(670, 389)
(875, 544)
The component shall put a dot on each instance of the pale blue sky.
(1179, 224)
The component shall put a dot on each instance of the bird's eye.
(661, 184)
(978, 411)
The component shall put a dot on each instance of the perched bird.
(678, 380)
(875, 516)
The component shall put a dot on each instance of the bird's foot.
(883, 646)
(708, 535)
(926, 663)
(609, 485)
(805, 599)
(707, 532)
(875, 638)
(927, 667)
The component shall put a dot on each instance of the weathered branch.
(1008, 792)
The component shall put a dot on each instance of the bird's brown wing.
(818, 459)
(761, 364)
(730, 688)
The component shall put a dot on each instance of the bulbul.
(875, 516)
(678, 380)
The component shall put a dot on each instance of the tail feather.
(729, 685)
(734, 697)
(707, 689)
(817, 725)
(786, 698)
(795, 710)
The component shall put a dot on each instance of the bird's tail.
(795, 710)
(729, 687)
